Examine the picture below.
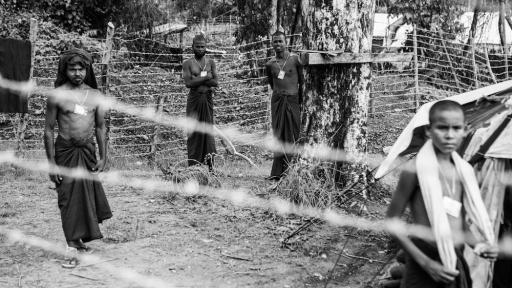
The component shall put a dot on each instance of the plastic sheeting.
(493, 193)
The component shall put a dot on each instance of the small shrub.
(309, 183)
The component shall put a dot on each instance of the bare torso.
(195, 67)
(290, 82)
(452, 188)
(76, 115)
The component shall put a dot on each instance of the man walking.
(82, 202)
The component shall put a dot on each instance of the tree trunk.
(273, 17)
(295, 23)
(336, 96)
(279, 18)
(472, 30)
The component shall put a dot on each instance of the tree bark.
(295, 23)
(336, 96)
(472, 30)
(273, 17)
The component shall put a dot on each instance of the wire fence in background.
(147, 73)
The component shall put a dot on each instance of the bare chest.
(196, 67)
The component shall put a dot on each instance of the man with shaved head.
(82, 202)
(200, 77)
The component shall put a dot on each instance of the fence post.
(105, 83)
(475, 67)
(23, 117)
(230, 25)
(452, 69)
(416, 68)
(488, 63)
(155, 140)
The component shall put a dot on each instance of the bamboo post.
(454, 73)
(229, 24)
(23, 117)
(475, 67)
(503, 35)
(416, 68)
(269, 109)
(372, 102)
(105, 83)
(156, 134)
(489, 67)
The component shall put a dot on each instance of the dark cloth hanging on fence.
(14, 65)
(200, 145)
(416, 277)
(82, 202)
(285, 126)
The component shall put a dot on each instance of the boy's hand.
(440, 273)
(487, 251)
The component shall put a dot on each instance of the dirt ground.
(188, 241)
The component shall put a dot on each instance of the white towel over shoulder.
(427, 169)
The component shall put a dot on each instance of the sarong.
(416, 277)
(200, 145)
(82, 202)
(14, 65)
(285, 126)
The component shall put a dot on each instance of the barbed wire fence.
(147, 73)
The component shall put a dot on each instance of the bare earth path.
(186, 241)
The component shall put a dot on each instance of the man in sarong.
(200, 76)
(82, 202)
(285, 77)
(442, 193)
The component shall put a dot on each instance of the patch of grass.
(309, 183)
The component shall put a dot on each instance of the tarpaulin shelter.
(487, 146)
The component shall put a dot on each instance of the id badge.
(452, 207)
(80, 110)
(203, 74)
(280, 75)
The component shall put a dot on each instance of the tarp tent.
(480, 106)
(487, 146)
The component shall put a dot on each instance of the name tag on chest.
(80, 110)
(281, 74)
(452, 207)
(203, 74)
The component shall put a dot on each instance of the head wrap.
(76, 56)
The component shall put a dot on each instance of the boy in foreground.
(442, 193)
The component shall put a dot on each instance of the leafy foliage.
(81, 16)
(427, 14)
(200, 9)
(255, 18)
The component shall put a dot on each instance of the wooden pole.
(489, 67)
(454, 73)
(156, 134)
(503, 36)
(105, 83)
(416, 68)
(269, 109)
(475, 66)
(23, 117)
